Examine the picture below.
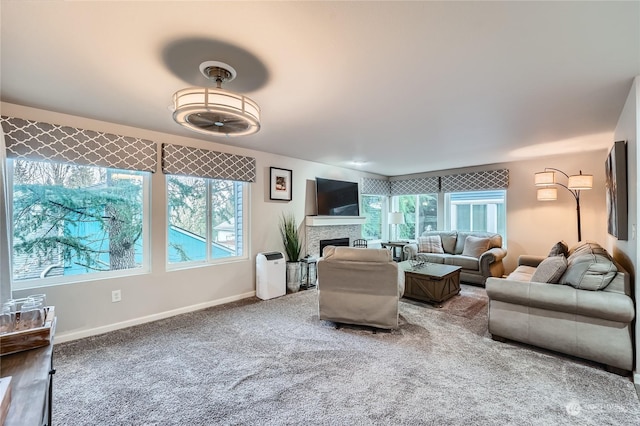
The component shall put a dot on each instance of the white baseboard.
(636, 378)
(67, 337)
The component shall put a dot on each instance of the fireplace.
(333, 242)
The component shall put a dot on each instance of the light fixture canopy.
(214, 110)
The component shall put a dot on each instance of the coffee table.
(433, 283)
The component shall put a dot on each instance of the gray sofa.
(479, 257)
(359, 286)
(578, 305)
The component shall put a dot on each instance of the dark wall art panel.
(616, 187)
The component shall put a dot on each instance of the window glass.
(420, 214)
(373, 207)
(477, 211)
(71, 220)
(205, 219)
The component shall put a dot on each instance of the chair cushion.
(475, 246)
(332, 253)
(550, 270)
(430, 244)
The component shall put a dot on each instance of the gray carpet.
(273, 362)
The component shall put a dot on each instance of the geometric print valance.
(35, 140)
(426, 185)
(188, 161)
(476, 181)
(371, 186)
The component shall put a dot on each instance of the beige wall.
(626, 252)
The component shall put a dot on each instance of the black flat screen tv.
(337, 198)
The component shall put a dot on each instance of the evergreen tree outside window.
(420, 214)
(373, 208)
(72, 222)
(206, 219)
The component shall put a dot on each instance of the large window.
(206, 220)
(373, 208)
(420, 214)
(71, 221)
(476, 211)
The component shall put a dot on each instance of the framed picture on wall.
(616, 190)
(280, 184)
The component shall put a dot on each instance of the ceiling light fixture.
(214, 110)
(575, 184)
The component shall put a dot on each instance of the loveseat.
(479, 254)
(359, 286)
(576, 302)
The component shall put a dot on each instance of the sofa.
(360, 286)
(479, 254)
(577, 302)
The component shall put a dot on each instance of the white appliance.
(270, 275)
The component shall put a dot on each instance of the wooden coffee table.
(433, 283)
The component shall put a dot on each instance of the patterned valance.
(34, 140)
(371, 186)
(184, 160)
(426, 185)
(477, 181)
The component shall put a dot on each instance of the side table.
(308, 275)
(393, 245)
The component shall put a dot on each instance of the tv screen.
(337, 198)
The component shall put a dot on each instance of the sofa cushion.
(475, 246)
(559, 249)
(522, 273)
(465, 262)
(430, 244)
(589, 267)
(448, 239)
(550, 270)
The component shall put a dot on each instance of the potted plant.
(292, 247)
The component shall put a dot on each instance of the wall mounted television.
(337, 198)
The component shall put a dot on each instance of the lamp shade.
(545, 178)
(580, 182)
(547, 194)
(396, 218)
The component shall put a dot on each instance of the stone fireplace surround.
(328, 231)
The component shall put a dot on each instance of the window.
(476, 211)
(373, 207)
(420, 214)
(206, 219)
(76, 221)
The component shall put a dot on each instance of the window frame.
(209, 260)
(145, 265)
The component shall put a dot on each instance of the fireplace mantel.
(334, 220)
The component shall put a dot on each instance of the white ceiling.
(405, 87)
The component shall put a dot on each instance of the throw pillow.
(559, 249)
(430, 244)
(550, 270)
(475, 246)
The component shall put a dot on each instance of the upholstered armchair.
(359, 286)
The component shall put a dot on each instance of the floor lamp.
(575, 183)
(396, 218)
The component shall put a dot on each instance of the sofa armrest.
(489, 257)
(528, 260)
(410, 251)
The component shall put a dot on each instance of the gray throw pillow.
(550, 270)
(475, 246)
(559, 249)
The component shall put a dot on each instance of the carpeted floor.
(273, 362)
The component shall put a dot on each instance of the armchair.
(359, 286)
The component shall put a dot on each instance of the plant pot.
(293, 276)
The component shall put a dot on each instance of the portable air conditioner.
(271, 274)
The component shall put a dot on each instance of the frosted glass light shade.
(545, 178)
(547, 194)
(580, 182)
(396, 218)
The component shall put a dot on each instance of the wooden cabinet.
(31, 385)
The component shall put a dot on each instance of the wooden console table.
(31, 374)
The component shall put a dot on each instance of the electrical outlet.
(116, 296)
